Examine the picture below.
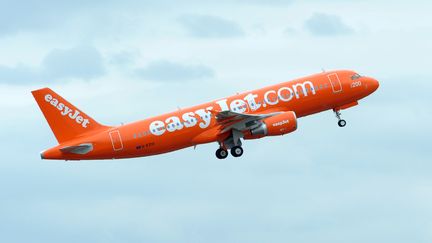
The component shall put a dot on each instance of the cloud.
(321, 24)
(170, 71)
(20, 15)
(17, 74)
(32, 15)
(206, 26)
(124, 58)
(82, 62)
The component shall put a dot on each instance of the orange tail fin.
(66, 121)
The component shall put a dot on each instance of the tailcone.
(52, 153)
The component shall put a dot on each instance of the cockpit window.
(355, 76)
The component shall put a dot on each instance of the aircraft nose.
(372, 84)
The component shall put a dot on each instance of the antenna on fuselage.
(322, 69)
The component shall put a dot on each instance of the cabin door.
(116, 140)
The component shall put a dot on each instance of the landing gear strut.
(232, 143)
(341, 122)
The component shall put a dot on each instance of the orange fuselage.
(198, 125)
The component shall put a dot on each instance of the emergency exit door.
(335, 82)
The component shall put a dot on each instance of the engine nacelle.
(275, 126)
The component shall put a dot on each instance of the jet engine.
(274, 126)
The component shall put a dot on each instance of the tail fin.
(66, 121)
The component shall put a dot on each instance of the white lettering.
(173, 123)
(74, 116)
(303, 88)
(267, 99)
(85, 123)
(189, 118)
(79, 119)
(223, 104)
(48, 98)
(205, 117)
(65, 110)
(238, 106)
(54, 102)
(157, 128)
(280, 123)
(60, 106)
(286, 97)
(250, 98)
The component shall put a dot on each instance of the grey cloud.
(124, 58)
(22, 15)
(17, 74)
(80, 62)
(321, 24)
(83, 62)
(205, 26)
(170, 71)
(31, 15)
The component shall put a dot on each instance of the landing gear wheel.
(236, 151)
(341, 123)
(221, 153)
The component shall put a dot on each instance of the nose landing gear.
(341, 122)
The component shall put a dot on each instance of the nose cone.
(372, 85)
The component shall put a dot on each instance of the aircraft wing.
(230, 120)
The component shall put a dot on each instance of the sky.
(121, 61)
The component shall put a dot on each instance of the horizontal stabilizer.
(78, 149)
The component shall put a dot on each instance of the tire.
(342, 123)
(221, 153)
(236, 151)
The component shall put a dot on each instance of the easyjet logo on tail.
(66, 111)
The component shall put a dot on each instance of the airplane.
(270, 111)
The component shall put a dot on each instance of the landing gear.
(236, 151)
(232, 143)
(341, 122)
(221, 153)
